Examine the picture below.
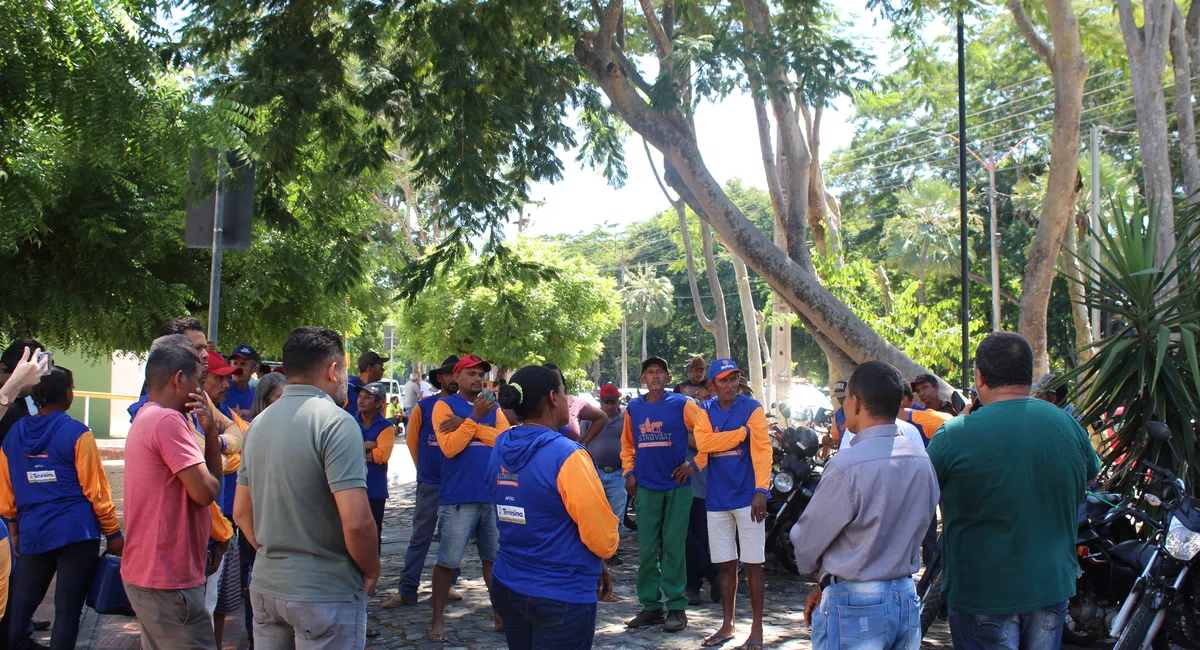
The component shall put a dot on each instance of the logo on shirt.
(506, 477)
(651, 434)
(650, 427)
(431, 440)
(511, 514)
(725, 454)
(475, 442)
(43, 476)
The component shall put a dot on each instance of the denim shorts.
(457, 523)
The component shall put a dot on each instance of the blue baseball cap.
(244, 351)
(721, 368)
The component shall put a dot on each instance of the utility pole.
(992, 226)
(218, 239)
(1094, 146)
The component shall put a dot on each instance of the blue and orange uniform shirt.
(660, 444)
(556, 525)
(240, 400)
(53, 484)
(738, 445)
(467, 449)
(423, 443)
(352, 395)
(232, 461)
(927, 421)
(382, 432)
(839, 425)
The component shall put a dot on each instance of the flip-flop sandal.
(438, 639)
(715, 641)
(371, 634)
(751, 646)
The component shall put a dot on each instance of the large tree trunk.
(1069, 69)
(1185, 117)
(1147, 50)
(753, 353)
(760, 323)
(624, 352)
(1079, 311)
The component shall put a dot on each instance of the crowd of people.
(287, 473)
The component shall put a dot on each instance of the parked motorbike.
(794, 475)
(1162, 604)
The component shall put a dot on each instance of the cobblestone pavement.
(469, 622)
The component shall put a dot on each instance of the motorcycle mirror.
(787, 412)
(1158, 431)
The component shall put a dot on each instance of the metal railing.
(88, 395)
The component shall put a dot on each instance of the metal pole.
(962, 205)
(214, 279)
(1094, 145)
(992, 227)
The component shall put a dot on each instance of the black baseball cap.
(369, 359)
(375, 388)
(655, 361)
(446, 368)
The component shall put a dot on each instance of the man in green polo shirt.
(302, 503)
(1012, 475)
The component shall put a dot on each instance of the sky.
(728, 137)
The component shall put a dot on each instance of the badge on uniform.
(42, 476)
(511, 514)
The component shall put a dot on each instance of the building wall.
(91, 375)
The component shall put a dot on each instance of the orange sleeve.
(8, 499)
(454, 442)
(94, 482)
(222, 531)
(583, 495)
(628, 450)
(761, 454)
(413, 436)
(692, 414)
(383, 446)
(711, 442)
(929, 420)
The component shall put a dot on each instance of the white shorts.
(722, 543)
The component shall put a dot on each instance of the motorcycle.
(1163, 597)
(794, 475)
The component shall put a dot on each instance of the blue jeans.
(532, 623)
(458, 522)
(614, 489)
(1040, 629)
(425, 521)
(882, 615)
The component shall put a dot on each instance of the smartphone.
(488, 394)
(49, 356)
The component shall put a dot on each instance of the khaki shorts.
(729, 528)
(172, 618)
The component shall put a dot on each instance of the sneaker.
(693, 596)
(676, 621)
(645, 618)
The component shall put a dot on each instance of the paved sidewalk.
(469, 622)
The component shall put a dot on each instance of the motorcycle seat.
(1133, 553)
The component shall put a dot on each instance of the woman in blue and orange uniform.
(556, 527)
(55, 494)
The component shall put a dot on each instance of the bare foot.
(499, 627)
(719, 638)
(437, 634)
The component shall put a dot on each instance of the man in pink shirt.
(167, 519)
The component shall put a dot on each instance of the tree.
(514, 322)
(923, 237)
(647, 297)
(1069, 68)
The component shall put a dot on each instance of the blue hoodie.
(541, 552)
(52, 510)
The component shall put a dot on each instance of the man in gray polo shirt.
(864, 526)
(302, 470)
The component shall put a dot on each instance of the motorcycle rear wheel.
(929, 590)
(1134, 634)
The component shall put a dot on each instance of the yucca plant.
(1148, 369)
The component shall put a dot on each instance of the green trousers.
(662, 525)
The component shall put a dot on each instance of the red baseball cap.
(217, 365)
(470, 361)
(608, 391)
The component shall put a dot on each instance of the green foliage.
(1149, 366)
(646, 297)
(514, 322)
(924, 238)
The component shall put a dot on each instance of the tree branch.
(608, 23)
(631, 70)
(658, 178)
(662, 43)
(1025, 25)
(1135, 40)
